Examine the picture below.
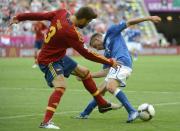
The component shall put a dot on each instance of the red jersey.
(62, 34)
(40, 28)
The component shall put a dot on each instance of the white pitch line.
(69, 112)
(152, 92)
(79, 90)
(164, 104)
(31, 115)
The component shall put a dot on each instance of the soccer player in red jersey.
(39, 28)
(63, 34)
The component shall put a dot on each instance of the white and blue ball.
(146, 111)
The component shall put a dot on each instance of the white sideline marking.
(79, 90)
(68, 112)
(21, 116)
(152, 92)
(164, 104)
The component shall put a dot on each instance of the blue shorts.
(38, 44)
(64, 66)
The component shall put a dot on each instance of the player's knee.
(59, 82)
(111, 87)
(85, 74)
(60, 89)
(82, 72)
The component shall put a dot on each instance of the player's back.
(55, 41)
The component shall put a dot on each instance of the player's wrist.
(149, 18)
(111, 61)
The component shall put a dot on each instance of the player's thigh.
(112, 85)
(102, 87)
(81, 71)
(54, 74)
(118, 76)
(69, 65)
(59, 81)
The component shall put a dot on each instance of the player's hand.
(155, 19)
(14, 21)
(115, 64)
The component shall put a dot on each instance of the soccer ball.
(146, 111)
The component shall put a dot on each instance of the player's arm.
(92, 55)
(75, 41)
(155, 19)
(38, 16)
(101, 73)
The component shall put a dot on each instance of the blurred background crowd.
(109, 12)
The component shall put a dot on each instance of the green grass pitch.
(24, 95)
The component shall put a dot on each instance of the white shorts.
(121, 74)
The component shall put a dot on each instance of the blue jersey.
(115, 46)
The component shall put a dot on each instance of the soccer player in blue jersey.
(133, 41)
(115, 80)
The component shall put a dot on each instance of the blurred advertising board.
(11, 51)
(163, 5)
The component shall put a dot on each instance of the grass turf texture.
(24, 95)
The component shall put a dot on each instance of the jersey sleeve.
(36, 16)
(75, 41)
(119, 27)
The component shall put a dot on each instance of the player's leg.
(90, 85)
(54, 99)
(114, 81)
(112, 87)
(71, 67)
(92, 104)
(55, 78)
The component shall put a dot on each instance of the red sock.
(54, 100)
(91, 87)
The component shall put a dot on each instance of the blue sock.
(89, 108)
(123, 99)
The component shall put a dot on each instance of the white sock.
(117, 91)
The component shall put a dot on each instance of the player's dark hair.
(92, 38)
(86, 12)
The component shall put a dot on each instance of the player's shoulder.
(117, 26)
(75, 34)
